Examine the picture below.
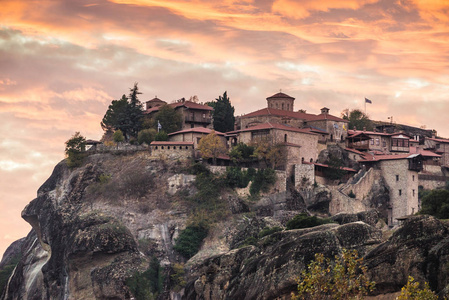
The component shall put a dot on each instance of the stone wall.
(431, 182)
(362, 187)
(403, 186)
(343, 204)
(172, 152)
(304, 173)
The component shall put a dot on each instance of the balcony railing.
(197, 119)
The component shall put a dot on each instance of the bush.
(267, 231)
(118, 136)
(177, 276)
(262, 181)
(189, 241)
(305, 221)
(343, 278)
(198, 168)
(148, 284)
(146, 136)
(236, 178)
(242, 153)
(351, 194)
(411, 291)
(161, 136)
(436, 203)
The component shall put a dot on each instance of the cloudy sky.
(62, 62)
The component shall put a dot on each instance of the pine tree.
(223, 113)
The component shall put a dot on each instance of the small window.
(162, 147)
(311, 160)
(413, 193)
(282, 106)
(155, 148)
(397, 177)
(372, 141)
(400, 192)
(285, 138)
(384, 143)
(187, 147)
(302, 159)
(377, 142)
(168, 147)
(413, 177)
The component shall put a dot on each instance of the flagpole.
(365, 106)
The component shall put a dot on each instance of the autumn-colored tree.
(343, 278)
(273, 155)
(411, 291)
(211, 146)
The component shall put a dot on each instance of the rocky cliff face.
(95, 226)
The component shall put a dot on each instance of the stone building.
(439, 146)
(378, 142)
(280, 110)
(194, 114)
(194, 135)
(400, 173)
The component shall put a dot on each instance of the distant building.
(194, 135)
(172, 150)
(439, 146)
(382, 142)
(194, 114)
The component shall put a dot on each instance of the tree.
(273, 155)
(223, 113)
(75, 149)
(343, 278)
(436, 203)
(169, 118)
(161, 136)
(357, 119)
(125, 115)
(118, 136)
(211, 146)
(242, 153)
(146, 136)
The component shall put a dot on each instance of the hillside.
(101, 229)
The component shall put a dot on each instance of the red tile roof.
(292, 114)
(327, 166)
(155, 99)
(439, 140)
(388, 157)
(280, 95)
(269, 125)
(426, 153)
(197, 130)
(167, 143)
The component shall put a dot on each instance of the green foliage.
(118, 136)
(198, 168)
(436, 203)
(75, 149)
(305, 221)
(7, 270)
(252, 240)
(262, 181)
(335, 170)
(178, 276)
(169, 118)
(125, 115)
(146, 136)
(273, 155)
(236, 178)
(161, 136)
(242, 153)
(189, 241)
(223, 113)
(269, 230)
(149, 284)
(411, 291)
(343, 278)
(357, 119)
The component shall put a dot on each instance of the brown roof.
(197, 130)
(187, 104)
(292, 114)
(156, 99)
(269, 125)
(388, 157)
(439, 140)
(280, 95)
(167, 143)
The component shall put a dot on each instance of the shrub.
(118, 136)
(177, 276)
(436, 203)
(148, 284)
(305, 221)
(161, 136)
(262, 181)
(235, 177)
(198, 168)
(411, 291)
(146, 136)
(351, 194)
(242, 153)
(7, 270)
(343, 278)
(269, 230)
(189, 241)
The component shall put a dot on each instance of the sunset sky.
(62, 62)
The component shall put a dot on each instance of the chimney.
(364, 129)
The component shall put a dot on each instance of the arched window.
(282, 106)
(311, 160)
(285, 138)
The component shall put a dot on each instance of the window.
(397, 177)
(400, 192)
(187, 147)
(413, 177)
(413, 193)
(384, 143)
(162, 147)
(311, 160)
(377, 142)
(168, 147)
(155, 148)
(405, 143)
(372, 141)
(282, 106)
(288, 106)
(394, 142)
(400, 143)
(285, 138)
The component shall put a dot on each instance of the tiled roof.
(292, 114)
(439, 140)
(425, 153)
(155, 99)
(280, 95)
(269, 125)
(197, 130)
(327, 166)
(389, 157)
(353, 133)
(167, 143)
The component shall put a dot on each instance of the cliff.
(97, 226)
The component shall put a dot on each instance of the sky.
(63, 62)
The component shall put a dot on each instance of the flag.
(368, 101)
(159, 126)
